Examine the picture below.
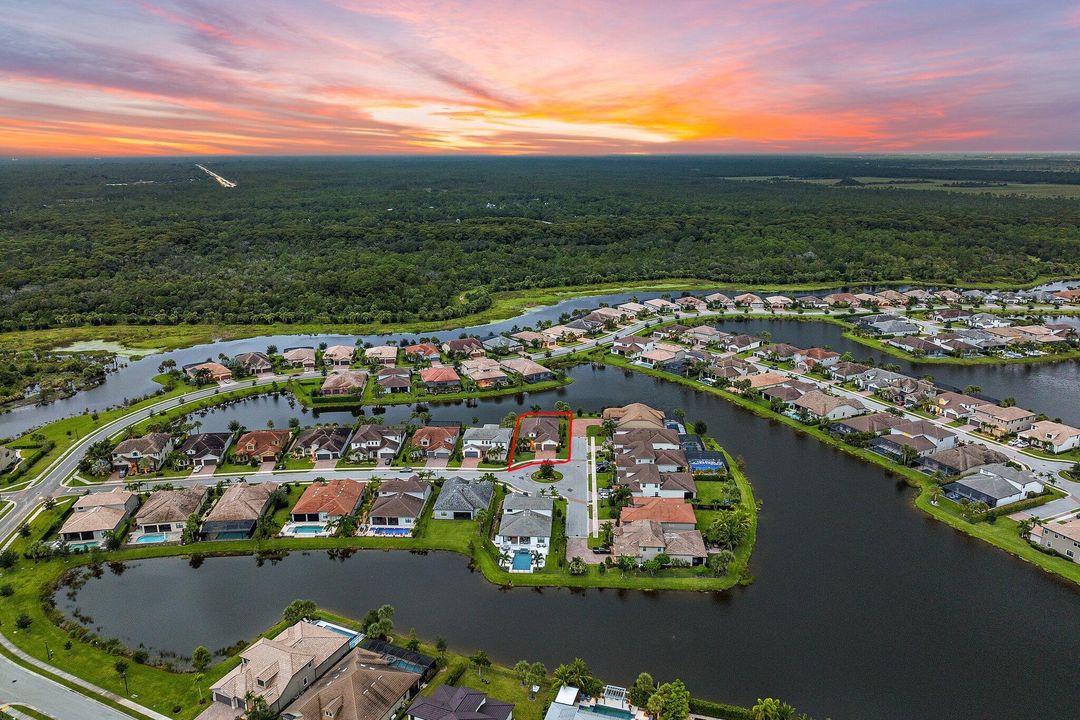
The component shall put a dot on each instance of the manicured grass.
(31, 712)
(281, 515)
(555, 477)
(302, 389)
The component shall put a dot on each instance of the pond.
(862, 606)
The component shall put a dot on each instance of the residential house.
(918, 346)
(997, 421)
(961, 459)
(214, 370)
(255, 363)
(90, 526)
(201, 449)
(144, 454)
(327, 442)
(278, 670)
(816, 357)
(741, 343)
(633, 309)
(427, 352)
(895, 387)
(950, 315)
(540, 432)
(701, 335)
(918, 295)
(1052, 436)
(670, 332)
(842, 300)
(236, 513)
(812, 302)
(440, 379)
(525, 528)
(692, 304)
(720, 300)
(380, 443)
(463, 347)
(948, 296)
(779, 352)
(461, 499)
(891, 297)
(661, 356)
(339, 355)
(644, 540)
(919, 437)
(117, 499)
(535, 340)
(995, 485)
(760, 381)
(344, 382)
(986, 321)
(394, 380)
(489, 442)
(649, 481)
(631, 346)
(847, 371)
(779, 302)
(166, 512)
(8, 458)
(484, 372)
(385, 355)
(626, 439)
(822, 406)
(895, 328)
(634, 415)
(324, 502)
(727, 369)
(363, 686)
(875, 423)
(956, 406)
(435, 441)
(563, 334)
(673, 514)
(502, 345)
(458, 703)
(1061, 537)
(395, 510)
(750, 300)
(261, 445)
(301, 357)
(529, 371)
(660, 305)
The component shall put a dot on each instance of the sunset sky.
(88, 77)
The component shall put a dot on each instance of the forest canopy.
(358, 240)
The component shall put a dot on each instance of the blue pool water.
(146, 539)
(522, 561)
(308, 529)
(393, 532)
(232, 536)
(405, 665)
(612, 712)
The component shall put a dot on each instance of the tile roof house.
(631, 345)
(327, 501)
(254, 362)
(489, 441)
(995, 485)
(235, 514)
(525, 531)
(454, 703)
(380, 443)
(204, 449)
(1052, 436)
(261, 445)
(394, 380)
(413, 486)
(338, 355)
(216, 371)
(344, 382)
(845, 371)
(435, 441)
(167, 511)
(673, 514)
(117, 498)
(741, 343)
(328, 442)
(302, 357)
(461, 499)
(89, 528)
(364, 685)
(528, 370)
(954, 405)
(535, 340)
(278, 670)
(422, 351)
(440, 379)
(961, 459)
(874, 423)
(635, 415)
(381, 355)
(500, 344)
(1061, 537)
(142, 454)
(540, 432)
(998, 420)
(396, 510)
(691, 303)
(661, 305)
(467, 347)
(644, 540)
(750, 300)
(648, 481)
(822, 406)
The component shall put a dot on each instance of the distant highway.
(221, 181)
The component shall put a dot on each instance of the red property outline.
(543, 413)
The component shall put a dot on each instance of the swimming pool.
(151, 538)
(308, 530)
(406, 665)
(612, 712)
(391, 531)
(522, 561)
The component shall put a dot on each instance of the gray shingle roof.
(527, 523)
(461, 495)
(516, 501)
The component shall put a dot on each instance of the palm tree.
(343, 526)
(480, 661)
(935, 494)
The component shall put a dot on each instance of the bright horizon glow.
(362, 77)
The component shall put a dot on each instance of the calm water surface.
(862, 607)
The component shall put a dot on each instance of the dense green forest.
(395, 239)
